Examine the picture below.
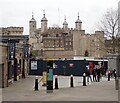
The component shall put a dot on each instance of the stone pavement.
(23, 90)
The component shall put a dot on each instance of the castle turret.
(78, 24)
(65, 25)
(43, 23)
(32, 25)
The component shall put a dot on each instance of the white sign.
(33, 65)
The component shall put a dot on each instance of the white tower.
(43, 23)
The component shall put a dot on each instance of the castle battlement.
(11, 30)
(19, 29)
(55, 28)
(99, 32)
(60, 28)
(71, 29)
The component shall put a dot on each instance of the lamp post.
(64, 69)
(54, 46)
(55, 66)
(25, 58)
(64, 66)
(42, 55)
(117, 86)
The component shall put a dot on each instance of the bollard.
(109, 76)
(115, 75)
(84, 79)
(71, 81)
(36, 83)
(23, 74)
(117, 84)
(56, 82)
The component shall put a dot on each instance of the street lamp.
(42, 54)
(26, 56)
(64, 66)
(55, 66)
(64, 69)
(54, 47)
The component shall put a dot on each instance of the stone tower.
(43, 23)
(65, 25)
(32, 25)
(77, 35)
(78, 24)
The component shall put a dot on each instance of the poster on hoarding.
(51, 74)
(71, 65)
(33, 65)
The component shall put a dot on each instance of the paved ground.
(23, 90)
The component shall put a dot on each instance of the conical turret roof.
(32, 17)
(65, 23)
(78, 20)
(44, 18)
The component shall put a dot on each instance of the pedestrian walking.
(98, 74)
(111, 72)
(88, 74)
(94, 72)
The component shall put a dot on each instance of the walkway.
(23, 90)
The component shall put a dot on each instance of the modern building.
(64, 42)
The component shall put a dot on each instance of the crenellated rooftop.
(20, 29)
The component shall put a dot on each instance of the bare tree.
(109, 24)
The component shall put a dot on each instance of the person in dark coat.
(88, 75)
(98, 74)
(94, 72)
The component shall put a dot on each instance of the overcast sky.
(19, 12)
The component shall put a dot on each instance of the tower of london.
(64, 42)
